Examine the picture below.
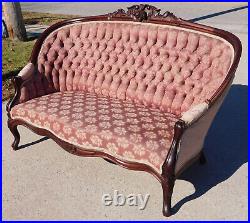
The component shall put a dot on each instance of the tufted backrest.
(159, 66)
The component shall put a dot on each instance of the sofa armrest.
(189, 132)
(27, 72)
(19, 81)
(29, 84)
(192, 140)
(194, 113)
(23, 83)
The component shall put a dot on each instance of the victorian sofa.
(137, 88)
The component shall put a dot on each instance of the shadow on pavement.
(226, 146)
(217, 14)
(33, 143)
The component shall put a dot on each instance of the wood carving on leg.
(168, 168)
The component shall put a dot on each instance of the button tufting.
(163, 67)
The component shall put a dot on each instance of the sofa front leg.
(168, 168)
(14, 131)
(167, 188)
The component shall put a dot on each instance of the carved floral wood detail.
(143, 12)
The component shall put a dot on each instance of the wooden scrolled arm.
(182, 125)
(17, 82)
(169, 164)
(23, 76)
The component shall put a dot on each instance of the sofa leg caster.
(14, 131)
(202, 159)
(167, 188)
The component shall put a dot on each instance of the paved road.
(44, 182)
(234, 21)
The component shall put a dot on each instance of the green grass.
(15, 54)
(31, 18)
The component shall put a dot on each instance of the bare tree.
(14, 20)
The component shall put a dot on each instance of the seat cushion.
(124, 129)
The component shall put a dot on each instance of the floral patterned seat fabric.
(124, 129)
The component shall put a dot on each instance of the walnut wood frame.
(146, 14)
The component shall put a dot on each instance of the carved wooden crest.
(143, 12)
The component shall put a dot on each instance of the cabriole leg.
(14, 131)
(167, 187)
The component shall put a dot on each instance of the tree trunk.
(14, 20)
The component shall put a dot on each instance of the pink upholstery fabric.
(124, 129)
(35, 87)
(159, 67)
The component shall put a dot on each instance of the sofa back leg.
(13, 128)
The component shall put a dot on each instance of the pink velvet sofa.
(137, 88)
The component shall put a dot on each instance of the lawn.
(15, 54)
(31, 18)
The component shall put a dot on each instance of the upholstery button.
(152, 56)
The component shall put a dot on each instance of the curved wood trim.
(85, 152)
(17, 82)
(166, 179)
(168, 167)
